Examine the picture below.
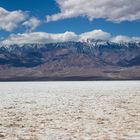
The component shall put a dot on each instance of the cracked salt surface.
(70, 110)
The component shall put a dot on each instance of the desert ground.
(97, 110)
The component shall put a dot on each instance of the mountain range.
(89, 60)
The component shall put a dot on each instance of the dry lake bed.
(70, 110)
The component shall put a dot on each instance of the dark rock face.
(96, 59)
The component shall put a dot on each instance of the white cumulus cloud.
(112, 10)
(9, 20)
(31, 24)
(121, 38)
(95, 34)
(40, 37)
(43, 37)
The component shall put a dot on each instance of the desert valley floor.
(102, 110)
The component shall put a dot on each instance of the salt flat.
(70, 110)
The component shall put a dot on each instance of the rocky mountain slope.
(91, 60)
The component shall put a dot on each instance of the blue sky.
(77, 23)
